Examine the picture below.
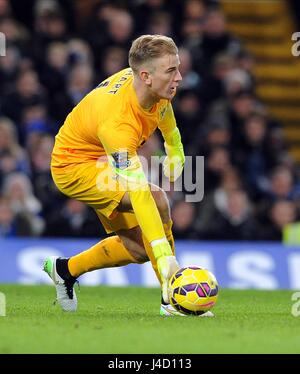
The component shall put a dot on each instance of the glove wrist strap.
(160, 248)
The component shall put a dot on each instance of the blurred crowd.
(57, 51)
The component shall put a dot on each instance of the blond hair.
(149, 47)
(8, 129)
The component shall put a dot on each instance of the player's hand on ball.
(167, 266)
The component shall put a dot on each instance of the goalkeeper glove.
(166, 265)
(174, 162)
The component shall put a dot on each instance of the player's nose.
(178, 76)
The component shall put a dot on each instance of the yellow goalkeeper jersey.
(110, 118)
(110, 121)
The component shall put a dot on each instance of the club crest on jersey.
(121, 160)
(162, 113)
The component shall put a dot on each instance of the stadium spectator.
(96, 27)
(80, 82)
(12, 156)
(27, 91)
(213, 86)
(218, 162)
(54, 72)
(237, 80)
(183, 216)
(216, 38)
(17, 189)
(215, 201)
(44, 187)
(256, 155)
(281, 213)
(16, 34)
(160, 23)
(211, 136)
(114, 60)
(283, 185)
(79, 52)
(5, 9)
(73, 219)
(12, 224)
(35, 121)
(189, 113)
(235, 222)
(50, 26)
(9, 66)
(145, 13)
(190, 78)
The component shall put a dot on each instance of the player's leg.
(129, 245)
(133, 242)
(122, 249)
(119, 250)
(94, 184)
(86, 183)
(133, 246)
(163, 206)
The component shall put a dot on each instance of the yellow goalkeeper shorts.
(94, 183)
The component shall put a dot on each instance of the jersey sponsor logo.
(121, 160)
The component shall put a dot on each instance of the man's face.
(164, 76)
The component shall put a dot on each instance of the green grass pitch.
(126, 320)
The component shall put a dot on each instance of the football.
(193, 290)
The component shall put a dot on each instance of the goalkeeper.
(95, 161)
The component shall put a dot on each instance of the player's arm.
(174, 162)
(120, 143)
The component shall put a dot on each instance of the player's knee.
(162, 203)
(133, 242)
(141, 257)
(138, 252)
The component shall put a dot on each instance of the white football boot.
(65, 292)
(169, 311)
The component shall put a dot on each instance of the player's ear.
(145, 77)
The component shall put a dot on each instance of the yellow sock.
(169, 234)
(149, 252)
(170, 238)
(109, 252)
